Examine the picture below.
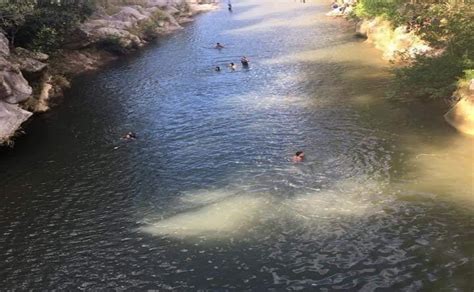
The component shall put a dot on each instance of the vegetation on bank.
(43, 25)
(448, 27)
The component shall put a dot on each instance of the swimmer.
(219, 46)
(217, 69)
(232, 66)
(130, 136)
(245, 62)
(299, 157)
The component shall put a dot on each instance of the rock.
(29, 65)
(11, 118)
(130, 14)
(157, 3)
(361, 30)
(79, 39)
(4, 47)
(21, 52)
(461, 116)
(13, 86)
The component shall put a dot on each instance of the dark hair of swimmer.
(298, 153)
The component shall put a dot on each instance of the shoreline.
(32, 81)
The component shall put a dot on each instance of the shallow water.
(207, 196)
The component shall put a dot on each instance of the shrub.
(112, 44)
(389, 9)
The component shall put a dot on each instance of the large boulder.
(13, 86)
(11, 118)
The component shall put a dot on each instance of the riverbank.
(31, 81)
(431, 48)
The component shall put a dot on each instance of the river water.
(207, 198)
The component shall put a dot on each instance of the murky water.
(207, 197)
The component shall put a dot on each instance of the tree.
(13, 17)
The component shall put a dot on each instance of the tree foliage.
(42, 25)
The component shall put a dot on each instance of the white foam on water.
(222, 213)
(218, 219)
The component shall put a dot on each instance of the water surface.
(207, 197)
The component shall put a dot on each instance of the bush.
(389, 9)
(46, 40)
(451, 30)
(112, 44)
(42, 25)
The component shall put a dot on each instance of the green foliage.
(450, 30)
(112, 44)
(389, 9)
(42, 25)
(13, 16)
(429, 77)
(469, 74)
(46, 40)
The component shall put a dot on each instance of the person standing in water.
(298, 157)
(232, 66)
(245, 62)
(219, 46)
(229, 6)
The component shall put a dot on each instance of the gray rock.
(21, 52)
(11, 118)
(4, 47)
(13, 86)
(29, 65)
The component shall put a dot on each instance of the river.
(207, 197)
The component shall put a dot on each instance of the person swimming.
(245, 62)
(217, 69)
(219, 46)
(232, 66)
(130, 136)
(298, 157)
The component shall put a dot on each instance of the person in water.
(229, 6)
(245, 62)
(232, 66)
(219, 46)
(130, 136)
(217, 69)
(299, 157)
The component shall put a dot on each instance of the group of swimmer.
(232, 66)
(299, 155)
(244, 61)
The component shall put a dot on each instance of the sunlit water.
(207, 197)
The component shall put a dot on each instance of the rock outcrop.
(394, 43)
(14, 89)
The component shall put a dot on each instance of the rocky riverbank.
(30, 81)
(401, 45)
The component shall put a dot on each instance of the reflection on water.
(207, 198)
